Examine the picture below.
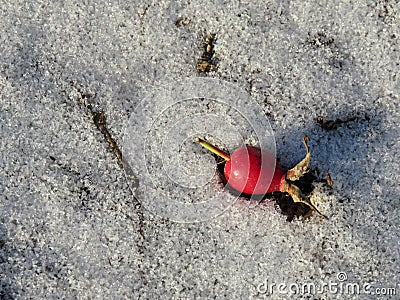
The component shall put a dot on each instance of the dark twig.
(99, 119)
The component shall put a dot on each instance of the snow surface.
(69, 226)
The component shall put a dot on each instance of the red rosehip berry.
(254, 171)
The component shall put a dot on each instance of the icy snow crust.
(69, 226)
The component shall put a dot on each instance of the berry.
(254, 171)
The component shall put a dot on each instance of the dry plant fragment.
(298, 196)
(329, 180)
(206, 62)
(333, 124)
(182, 21)
(301, 168)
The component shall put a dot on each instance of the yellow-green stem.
(213, 149)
